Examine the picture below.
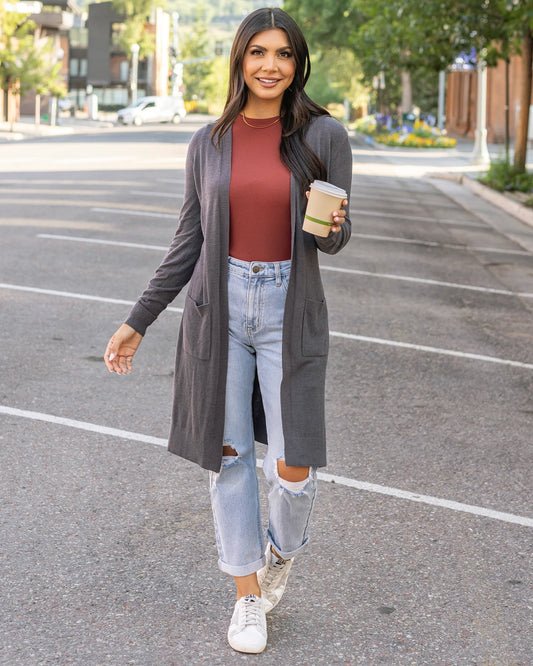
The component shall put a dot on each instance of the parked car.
(153, 110)
(66, 104)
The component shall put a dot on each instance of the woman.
(247, 178)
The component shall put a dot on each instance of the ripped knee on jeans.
(229, 455)
(292, 478)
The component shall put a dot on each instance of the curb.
(358, 139)
(9, 137)
(27, 131)
(502, 201)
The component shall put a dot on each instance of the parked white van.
(153, 110)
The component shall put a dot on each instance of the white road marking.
(68, 294)
(449, 246)
(163, 195)
(334, 334)
(432, 350)
(329, 478)
(438, 283)
(99, 241)
(116, 158)
(390, 239)
(407, 199)
(427, 499)
(82, 425)
(140, 213)
(349, 271)
(416, 218)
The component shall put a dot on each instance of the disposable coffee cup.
(324, 198)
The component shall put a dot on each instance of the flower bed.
(418, 135)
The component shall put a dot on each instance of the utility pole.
(134, 71)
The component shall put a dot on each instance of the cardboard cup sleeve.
(324, 198)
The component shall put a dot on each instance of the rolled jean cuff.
(244, 570)
(286, 554)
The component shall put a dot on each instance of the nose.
(269, 62)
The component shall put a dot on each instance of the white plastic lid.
(328, 188)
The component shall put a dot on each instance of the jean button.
(256, 269)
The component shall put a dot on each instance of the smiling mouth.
(268, 80)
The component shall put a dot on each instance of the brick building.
(461, 101)
(97, 59)
(88, 48)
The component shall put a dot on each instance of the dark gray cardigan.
(199, 254)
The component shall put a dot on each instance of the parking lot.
(421, 546)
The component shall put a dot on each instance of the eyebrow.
(264, 48)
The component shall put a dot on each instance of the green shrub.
(503, 177)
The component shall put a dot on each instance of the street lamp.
(481, 151)
(134, 71)
(442, 101)
(53, 102)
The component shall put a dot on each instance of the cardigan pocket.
(197, 329)
(315, 333)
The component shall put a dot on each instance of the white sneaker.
(248, 631)
(272, 579)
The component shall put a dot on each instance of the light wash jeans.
(257, 293)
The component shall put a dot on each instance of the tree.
(522, 130)
(407, 35)
(136, 15)
(336, 76)
(216, 85)
(195, 45)
(26, 63)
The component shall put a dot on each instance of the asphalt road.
(421, 547)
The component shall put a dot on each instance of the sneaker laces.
(274, 569)
(252, 610)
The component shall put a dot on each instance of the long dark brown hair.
(297, 109)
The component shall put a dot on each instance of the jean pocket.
(315, 332)
(196, 326)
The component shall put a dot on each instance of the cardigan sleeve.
(336, 153)
(177, 267)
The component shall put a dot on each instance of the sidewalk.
(26, 128)
(452, 164)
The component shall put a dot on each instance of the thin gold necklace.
(258, 126)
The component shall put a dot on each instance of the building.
(53, 20)
(87, 45)
(98, 61)
(461, 101)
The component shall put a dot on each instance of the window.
(124, 70)
(117, 31)
(74, 67)
(78, 38)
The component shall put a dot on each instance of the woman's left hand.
(338, 218)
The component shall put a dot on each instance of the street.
(421, 549)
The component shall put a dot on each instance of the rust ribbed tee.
(259, 193)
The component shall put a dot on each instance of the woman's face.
(268, 66)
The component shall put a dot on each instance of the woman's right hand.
(121, 348)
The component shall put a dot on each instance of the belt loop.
(278, 274)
